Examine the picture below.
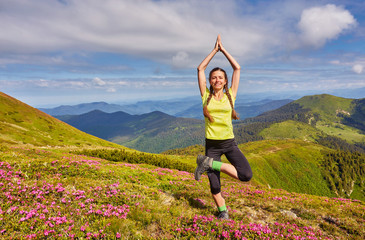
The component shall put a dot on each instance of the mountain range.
(167, 106)
(312, 118)
(150, 132)
(244, 110)
(187, 107)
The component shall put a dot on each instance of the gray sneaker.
(223, 215)
(203, 164)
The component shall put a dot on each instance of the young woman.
(218, 109)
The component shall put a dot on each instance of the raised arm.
(236, 69)
(203, 65)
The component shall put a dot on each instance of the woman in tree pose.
(218, 109)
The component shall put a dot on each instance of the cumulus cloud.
(321, 24)
(174, 32)
(153, 29)
(74, 38)
(358, 68)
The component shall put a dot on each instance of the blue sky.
(68, 52)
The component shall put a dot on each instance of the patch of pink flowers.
(43, 209)
(229, 229)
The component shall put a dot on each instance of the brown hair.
(211, 91)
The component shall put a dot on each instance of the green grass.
(49, 191)
(327, 106)
(53, 194)
(22, 124)
(158, 140)
(292, 165)
(291, 130)
(329, 116)
(342, 131)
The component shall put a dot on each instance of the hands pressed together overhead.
(218, 47)
(218, 44)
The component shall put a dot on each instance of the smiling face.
(217, 80)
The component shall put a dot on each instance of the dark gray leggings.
(215, 149)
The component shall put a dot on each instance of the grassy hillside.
(299, 166)
(53, 192)
(336, 115)
(288, 164)
(23, 124)
(291, 130)
(330, 108)
(50, 194)
(175, 136)
(310, 118)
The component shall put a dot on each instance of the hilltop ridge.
(23, 124)
(313, 118)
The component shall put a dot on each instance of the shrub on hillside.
(120, 155)
(340, 144)
(250, 132)
(343, 170)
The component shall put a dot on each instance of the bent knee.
(245, 177)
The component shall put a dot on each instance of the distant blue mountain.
(187, 108)
(154, 131)
(170, 107)
(157, 131)
(191, 106)
(82, 108)
(150, 132)
(245, 110)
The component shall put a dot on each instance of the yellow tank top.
(221, 111)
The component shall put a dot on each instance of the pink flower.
(118, 235)
(225, 234)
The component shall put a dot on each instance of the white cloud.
(111, 90)
(358, 68)
(70, 84)
(335, 62)
(122, 83)
(321, 24)
(153, 29)
(42, 83)
(177, 33)
(181, 59)
(98, 81)
(69, 40)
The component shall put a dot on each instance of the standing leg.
(219, 200)
(216, 152)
